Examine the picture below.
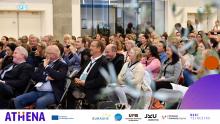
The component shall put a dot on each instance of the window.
(111, 16)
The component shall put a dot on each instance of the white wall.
(30, 22)
(8, 24)
(44, 6)
(188, 6)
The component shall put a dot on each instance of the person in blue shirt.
(162, 51)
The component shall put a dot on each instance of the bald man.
(50, 77)
(115, 58)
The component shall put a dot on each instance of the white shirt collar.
(94, 59)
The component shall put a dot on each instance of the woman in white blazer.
(131, 78)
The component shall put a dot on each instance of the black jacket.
(58, 72)
(18, 77)
(7, 61)
(118, 62)
(85, 58)
(94, 81)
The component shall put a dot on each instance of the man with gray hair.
(50, 77)
(15, 77)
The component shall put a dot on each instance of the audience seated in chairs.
(132, 72)
(170, 71)
(51, 78)
(15, 77)
(152, 61)
(169, 75)
(71, 57)
(89, 80)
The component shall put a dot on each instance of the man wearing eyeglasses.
(50, 77)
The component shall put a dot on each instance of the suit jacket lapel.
(95, 67)
(54, 65)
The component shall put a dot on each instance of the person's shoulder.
(119, 58)
(156, 60)
(62, 62)
(26, 65)
(86, 51)
(178, 63)
(119, 55)
(140, 67)
(103, 59)
(126, 64)
(139, 64)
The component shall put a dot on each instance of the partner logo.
(118, 117)
(24, 116)
(133, 117)
(196, 116)
(151, 117)
(102, 117)
(58, 117)
(173, 117)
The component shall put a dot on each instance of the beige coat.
(135, 77)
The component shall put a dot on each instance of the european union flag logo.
(55, 117)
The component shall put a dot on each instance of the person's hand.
(1, 81)
(73, 49)
(37, 53)
(49, 78)
(46, 62)
(82, 82)
(77, 81)
(1, 60)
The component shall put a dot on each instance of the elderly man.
(50, 75)
(15, 77)
(115, 58)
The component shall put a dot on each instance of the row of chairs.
(168, 98)
(62, 104)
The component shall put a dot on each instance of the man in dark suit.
(115, 58)
(15, 77)
(89, 79)
(50, 77)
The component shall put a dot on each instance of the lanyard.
(130, 65)
(90, 66)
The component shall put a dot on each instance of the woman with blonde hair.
(128, 45)
(131, 75)
(66, 38)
